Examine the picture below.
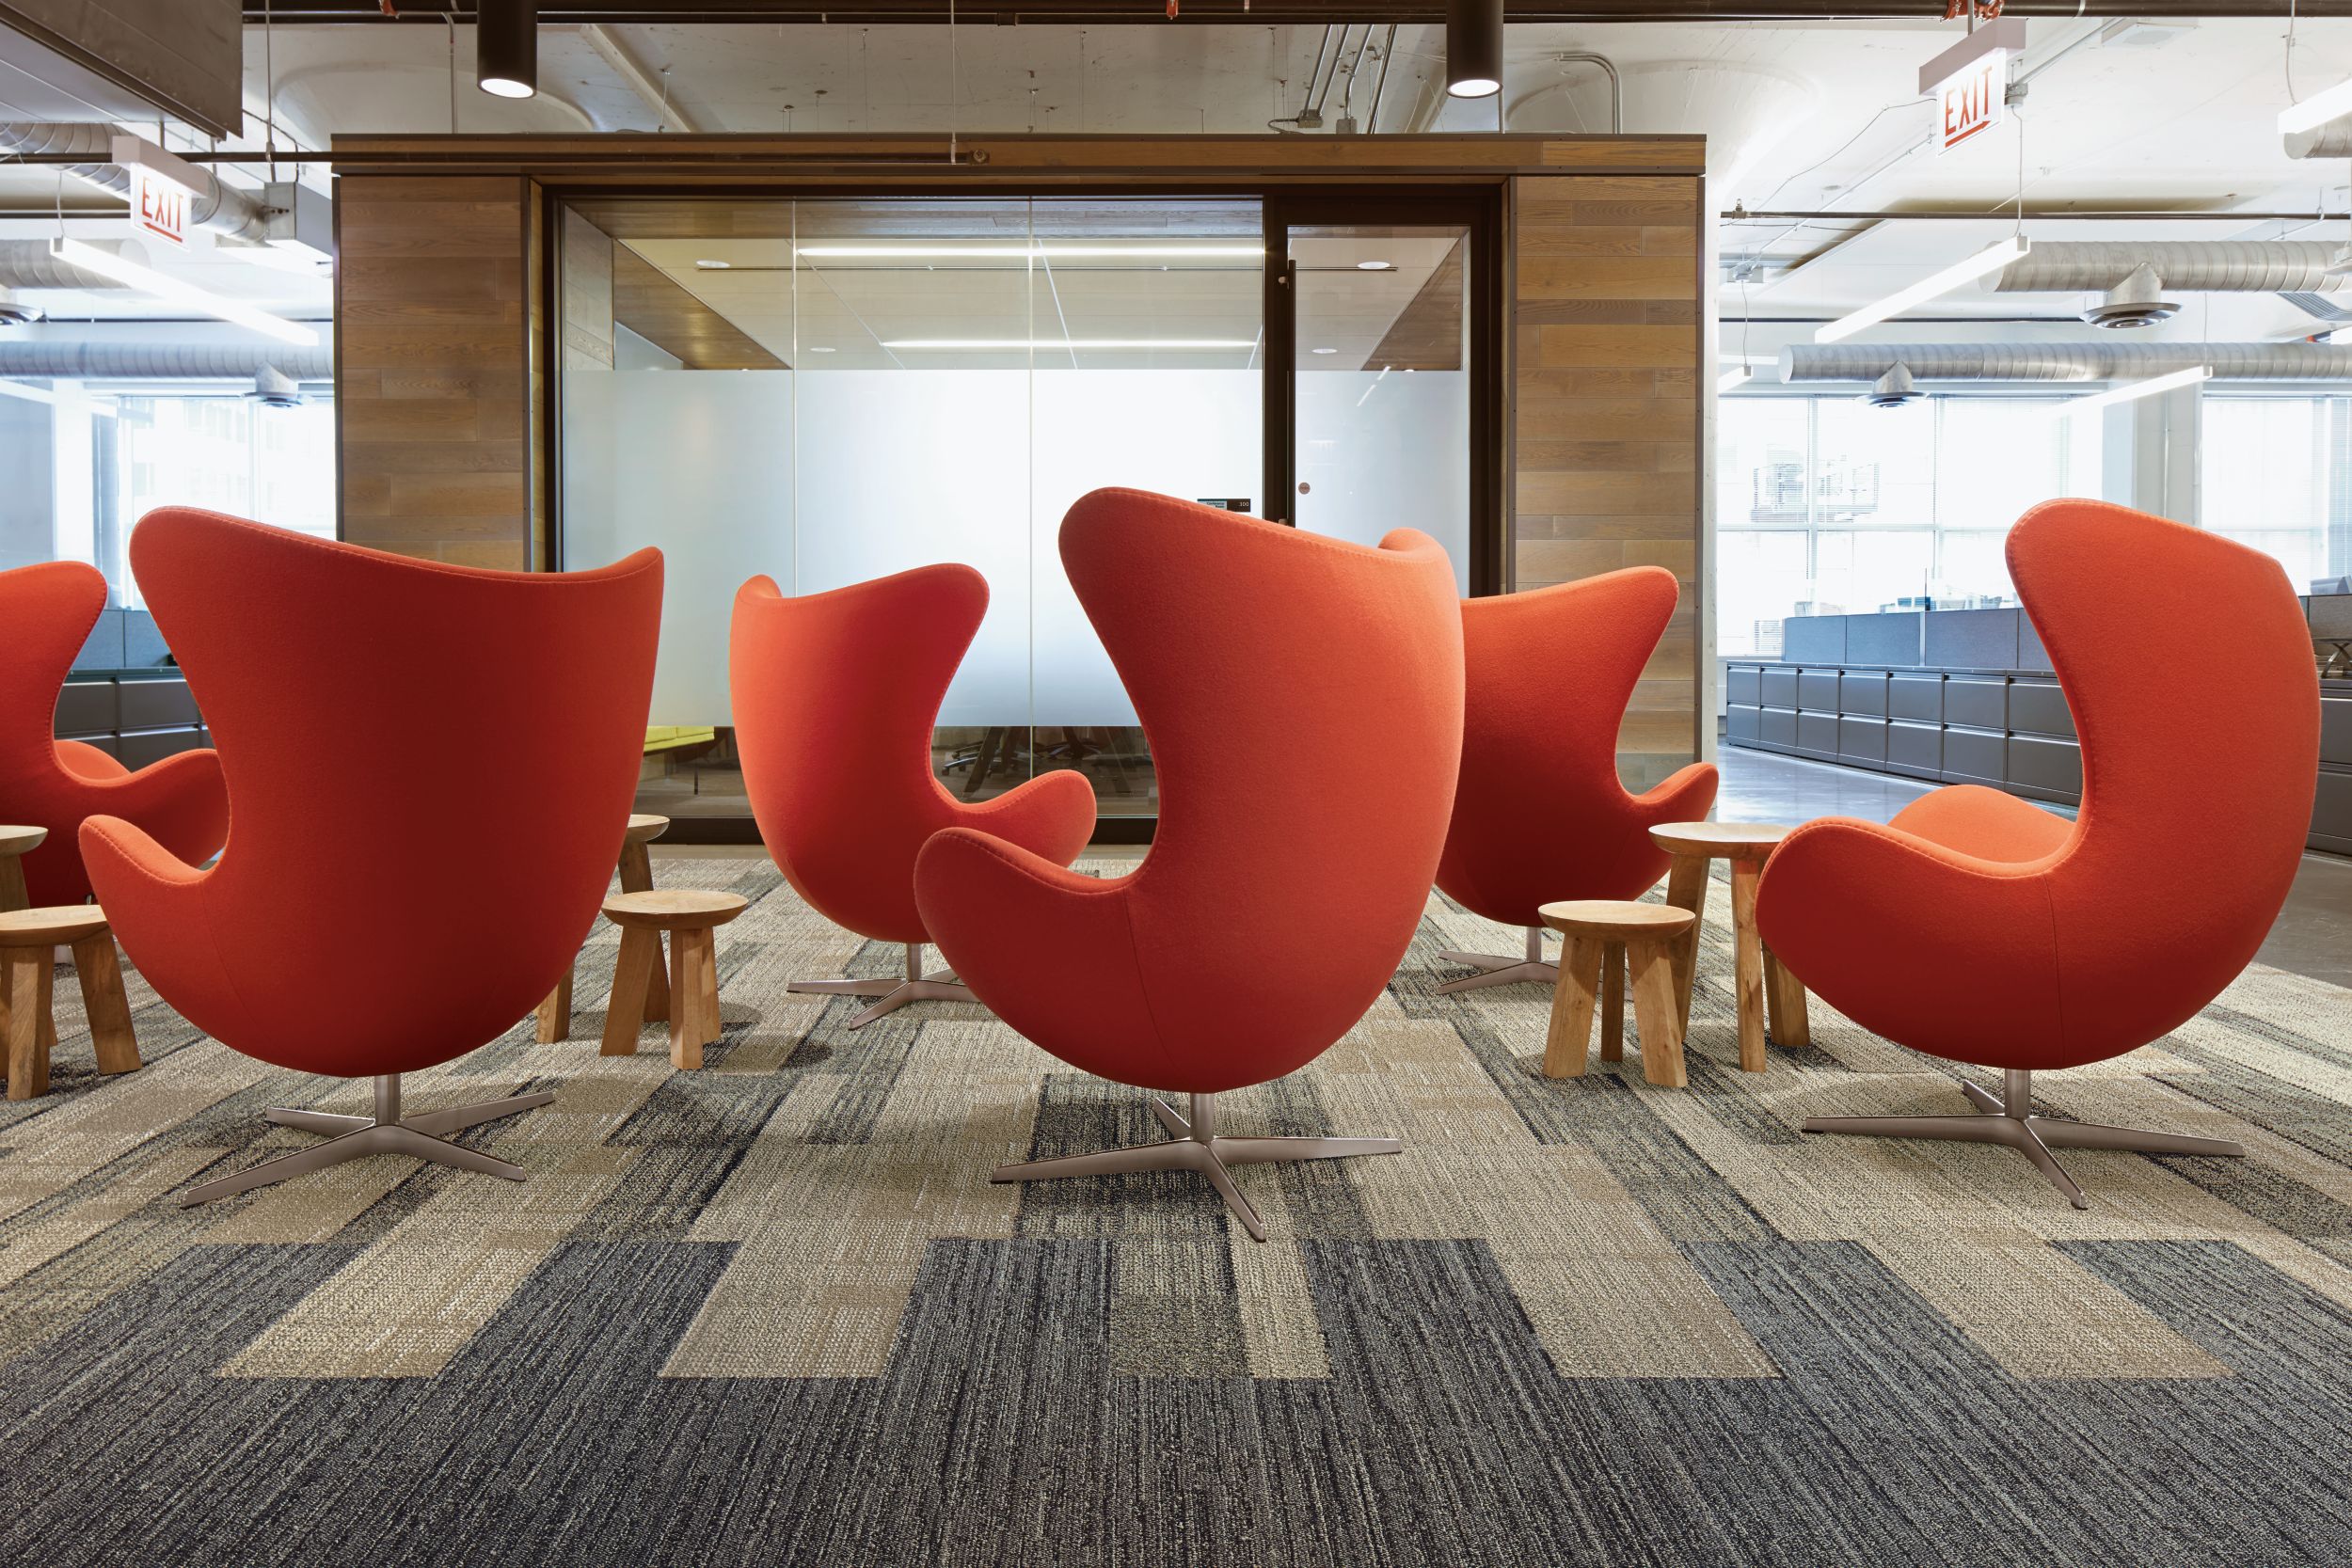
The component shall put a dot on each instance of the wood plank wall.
(1607, 344)
(435, 390)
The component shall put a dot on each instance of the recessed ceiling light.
(818, 348)
(1376, 266)
(709, 265)
(1326, 351)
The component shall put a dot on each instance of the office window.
(2275, 473)
(1827, 505)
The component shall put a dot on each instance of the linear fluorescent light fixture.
(999, 252)
(131, 275)
(1735, 378)
(2316, 110)
(41, 394)
(2134, 389)
(1934, 286)
(1001, 345)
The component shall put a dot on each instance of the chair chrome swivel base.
(386, 1132)
(2009, 1118)
(1193, 1145)
(1495, 969)
(894, 994)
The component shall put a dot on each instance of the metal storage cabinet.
(1816, 736)
(2038, 707)
(87, 708)
(1916, 750)
(1745, 722)
(2045, 769)
(1817, 691)
(2331, 811)
(151, 704)
(1780, 686)
(1862, 693)
(1780, 729)
(1862, 740)
(1980, 702)
(1743, 686)
(1919, 698)
(1975, 756)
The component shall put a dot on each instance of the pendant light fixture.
(507, 47)
(1473, 48)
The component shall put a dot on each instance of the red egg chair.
(1540, 814)
(46, 613)
(1983, 930)
(368, 916)
(835, 697)
(1302, 698)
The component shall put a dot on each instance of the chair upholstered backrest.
(1302, 699)
(430, 769)
(835, 697)
(46, 613)
(1541, 815)
(2187, 661)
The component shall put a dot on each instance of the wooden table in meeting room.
(1759, 978)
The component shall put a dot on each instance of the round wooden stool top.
(1615, 920)
(644, 828)
(21, 841)
(1732, 841)
(673, 908)
(61, 926)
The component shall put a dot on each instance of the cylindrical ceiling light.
(507, 47)
(1473, 48)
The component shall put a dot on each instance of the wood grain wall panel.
(1607, 344)
(436, 386)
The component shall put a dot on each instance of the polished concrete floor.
(2312, 936)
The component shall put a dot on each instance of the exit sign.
(159, 207)
(1969, 82)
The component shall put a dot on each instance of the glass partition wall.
(830, 390)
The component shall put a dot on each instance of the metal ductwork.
(2131, 276)
(165, 361)
(274, 388)
(221, 208)
(2062, 363)
(1892, 389)
(2331, 140)
(29, 264)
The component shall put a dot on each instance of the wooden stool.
(1757, 972)
(28, 944)
(1600, 939)
(555, 1013)
(690, 918)
(15, 844)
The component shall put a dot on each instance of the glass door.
(1380, 415)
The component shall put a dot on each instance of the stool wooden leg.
(1612, 1003)
(633, 971)
(658, 992)
(29, 971)
(1750, 967)
(111, 1039)
(555, 1013)
(12, 894)
(1572, 996)
(1686, 889)
(1654, 1012)
(693, 996)
(1784, 993)
(637, 877)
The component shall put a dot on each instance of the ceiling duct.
(29, 264)
(2061, 362)
(224, 208)
(165, 361)
(274, 388)
(1892, 389)
(2330, 140)
(2130, 275)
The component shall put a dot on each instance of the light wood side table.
(1755, 971)
(29, 940)
(15, 844)
(690, 918)
(555, 1012)
(1602, 939)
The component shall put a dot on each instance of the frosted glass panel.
(1380, 451)
(718, 501)
(1193, 434)
(903, 468)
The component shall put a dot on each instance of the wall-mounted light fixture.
(507, 47)
(1473, 48)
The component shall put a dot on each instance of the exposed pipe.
(164, 361)
(634, 76)
(2204, 266)
(2331, 140)
(29, 264)
(222, 208)
(1380, 88)
(2063, 363)
(1616, 88)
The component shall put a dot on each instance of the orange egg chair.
(1983, 930)
(46, 613)
(834, 697)
(368, 916)
(1302, 698)
(1540, 814)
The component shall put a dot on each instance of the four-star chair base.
(386, 1132)
(1495, 970)
(2009, 1118)
(894, 994)
(1193, 1145)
